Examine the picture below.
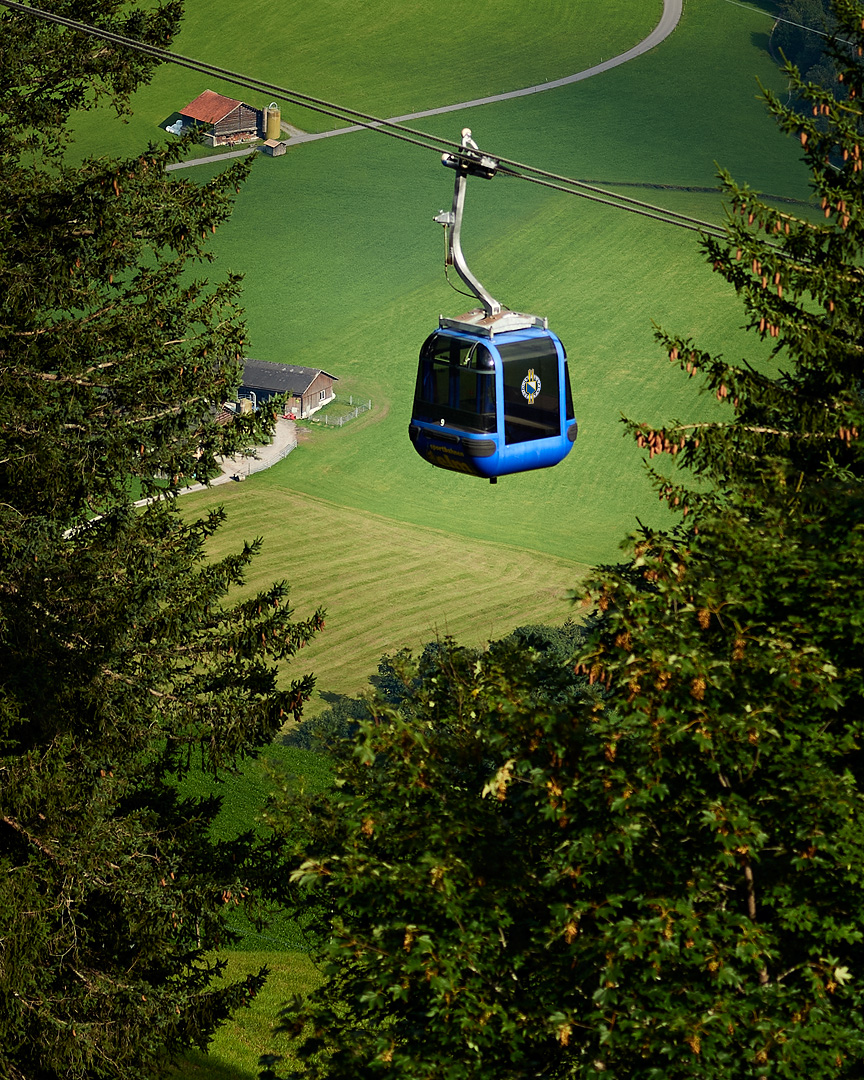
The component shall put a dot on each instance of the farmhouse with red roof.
(224, 120)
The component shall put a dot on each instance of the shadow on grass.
(762, 42)
(338, 722)
(198, 1066)
(331, 698)
(770, 7)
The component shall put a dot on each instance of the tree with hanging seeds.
(665, 878)
(125, 656)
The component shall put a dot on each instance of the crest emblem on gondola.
(531, 386)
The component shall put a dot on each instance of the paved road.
(284, 440)
(668, 21)
(243, 466)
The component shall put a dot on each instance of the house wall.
(243, 118)
(303, 405)
(312, 400)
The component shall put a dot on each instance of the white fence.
(267, 454)
(253, 465)
(338, 421)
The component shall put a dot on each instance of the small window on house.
(322, 395)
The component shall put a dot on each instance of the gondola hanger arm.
(470, 162)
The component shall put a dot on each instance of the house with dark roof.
(223, 119)
(309, 388)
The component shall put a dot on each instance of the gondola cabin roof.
(281, 378)
(503, 322)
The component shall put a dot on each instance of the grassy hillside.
(377, 57)
(239, 1044)
(343, 263)
(385, 585)
(343, 271)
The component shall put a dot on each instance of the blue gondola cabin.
(491, 401)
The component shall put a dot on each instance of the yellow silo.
(272, 121)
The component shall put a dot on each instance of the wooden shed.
(275, 147)
(309, 388)
(223, 119)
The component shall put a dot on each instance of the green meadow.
(241, 1043)
(386, 585)
(377, 57)
(343, 271)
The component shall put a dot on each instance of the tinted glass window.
(531, 390)
(456, 384)
(569, 414)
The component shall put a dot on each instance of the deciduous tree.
(800, 36)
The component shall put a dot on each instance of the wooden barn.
(223, 119)
(309, 388)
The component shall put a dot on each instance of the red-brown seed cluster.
(770, 327)
(658, 443)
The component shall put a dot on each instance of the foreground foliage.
(123, 659)
(665, 879)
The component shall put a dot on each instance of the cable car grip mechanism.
(469, 163)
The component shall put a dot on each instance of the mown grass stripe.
(386, 585)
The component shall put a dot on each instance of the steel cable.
(355, 118)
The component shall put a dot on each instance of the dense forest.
(801, 36)
(124, 660)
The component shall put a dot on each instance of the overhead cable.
(396, 130)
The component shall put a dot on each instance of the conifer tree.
(665, 880)
(124, 660)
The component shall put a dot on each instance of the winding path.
(668, 21)
(670, 18)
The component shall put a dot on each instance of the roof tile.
(210, 107)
